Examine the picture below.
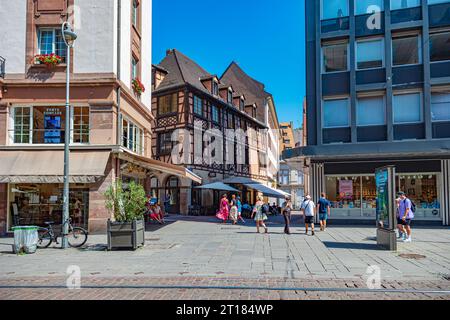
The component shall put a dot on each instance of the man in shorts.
(405, 216)
(308, 207)
(323, 207)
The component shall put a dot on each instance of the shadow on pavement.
(351, 245)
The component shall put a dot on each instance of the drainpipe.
(119, 89)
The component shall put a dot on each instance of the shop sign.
(346, 189)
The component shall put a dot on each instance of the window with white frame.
(198, 106)
(230, 96)
(50, 40)
(134, 68)
(336, 113)
(368, 6)
(135, 14)
(46, 125)
(369, 54)
(403, 4)
(371, 111)
(406, 50)
(407, 108)
(440, 106)
(440, 46)
(335, 57)
(215, 88)
(331, 9)
(132, 137)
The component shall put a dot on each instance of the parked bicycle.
(76, 237)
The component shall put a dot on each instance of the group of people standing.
(230, 209)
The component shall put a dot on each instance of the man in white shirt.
(309, 209)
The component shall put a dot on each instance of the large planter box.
(126, 235)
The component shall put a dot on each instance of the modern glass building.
(378, 93)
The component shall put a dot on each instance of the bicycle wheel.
(45, 238)
(77, 237)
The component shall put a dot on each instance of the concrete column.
(389, 74)
(426, 71)
(352, 59)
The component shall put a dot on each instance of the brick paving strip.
(196, 288)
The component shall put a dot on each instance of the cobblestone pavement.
(199, 250)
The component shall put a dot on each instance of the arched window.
(154, 187)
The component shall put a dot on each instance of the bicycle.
(76, 237)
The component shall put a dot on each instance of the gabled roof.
(253, 90)
(182, 70)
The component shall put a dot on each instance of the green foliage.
(126, 205)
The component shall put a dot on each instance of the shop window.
(407, 108)
(331, 9)
(50, 41)
(403, 4)
(34, 204)
(335, 58)
(422, 189)
(344, 194)
(165, 143)
(371, 111)
(198, 106)
(154, 187)
(132, 137)
(336, 113)
(367, 6)
(440, 46)
(369, 54)
(168, 104)
(440, 106)
(405, 50)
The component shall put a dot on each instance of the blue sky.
(265, 37)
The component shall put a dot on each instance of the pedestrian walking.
(324, 208)
(233, 209)
(239, 206)
(406, 211)
(286, 212)
(223, 212)
(308, 207)
(259, 214)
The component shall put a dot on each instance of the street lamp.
(69, 38)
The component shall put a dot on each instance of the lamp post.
(69, 37)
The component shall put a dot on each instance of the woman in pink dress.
(222, 214)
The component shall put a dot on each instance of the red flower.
(138, 87)
(48, 59)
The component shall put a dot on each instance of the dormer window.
(215, 88)
(230, 96)
(241, 104)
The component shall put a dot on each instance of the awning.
(218, 186)
(267, 191)
(156, 165)
(47, 166)
(239, 180)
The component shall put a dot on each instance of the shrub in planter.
(128, 207)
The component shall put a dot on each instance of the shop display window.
(35, 204)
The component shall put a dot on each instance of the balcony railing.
(2, 67)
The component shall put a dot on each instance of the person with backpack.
(308, 207)
(260, 213)
(406, 210)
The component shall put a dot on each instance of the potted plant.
(128, 207)
(138, 87)
(50, 60)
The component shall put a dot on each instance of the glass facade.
(354, 196)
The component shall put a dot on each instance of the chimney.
(169, 51)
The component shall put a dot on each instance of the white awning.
(267, 191)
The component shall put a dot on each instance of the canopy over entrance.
(218, 186)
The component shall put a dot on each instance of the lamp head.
(68, 34)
